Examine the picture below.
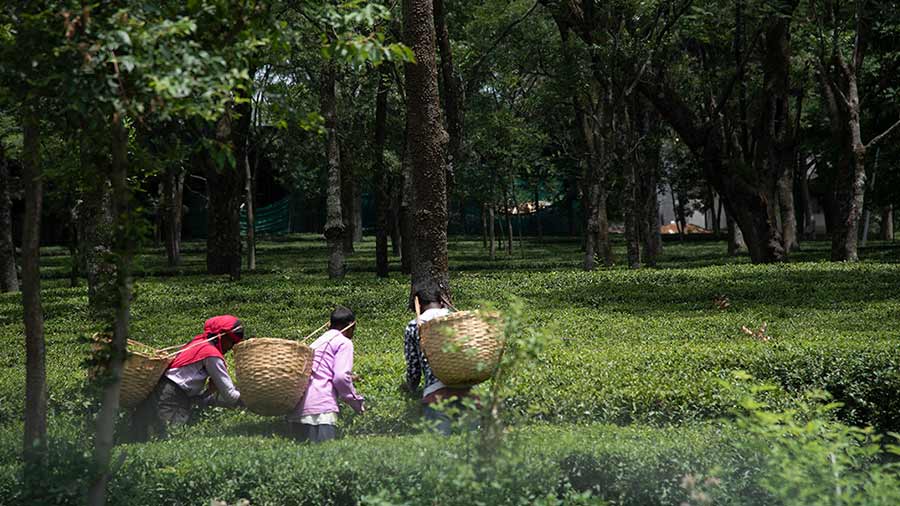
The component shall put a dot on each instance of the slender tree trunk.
(96, 215)
(427, 142)
(632, 211)
(251, 214)
(106, 418)
(35, 442)
(225, 187)
(507, 212)
(484, 233)
(491, 232)
(887, 223)
(866, 213)
(334, 221)
(382, 195)
(407, 243)
(394, 216)
(9, 277)
(453, 91)
(537, 213)
(357, 212)
(171, 206)
(348, 200)
(809, 218)
(788, 213)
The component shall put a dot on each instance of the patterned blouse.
(416, 363)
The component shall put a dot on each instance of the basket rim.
(267, 340)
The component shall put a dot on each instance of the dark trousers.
(303, 432)
(452, 412)
(167, 406)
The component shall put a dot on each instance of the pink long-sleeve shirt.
(330, 379)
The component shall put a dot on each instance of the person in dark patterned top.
(434, 391)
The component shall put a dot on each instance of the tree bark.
(97, 234)
(172, 203)
(407, 243)
(35, 441)
(632, 209)
(225, 187)
(492, 232)
(484, 226)
(788, 213)
(809, 218)
(427, 142)
(382, 195)
(453, 91)
(251, 214)
(394, 216)
(348, 200)
(334, 222)
(887, 223)
(9, 277)
(112, 369)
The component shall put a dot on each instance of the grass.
(646, 348)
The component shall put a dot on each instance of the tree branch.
(882, 135)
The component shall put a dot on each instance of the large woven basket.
(143, 367)
(462, 348)
(272, 374)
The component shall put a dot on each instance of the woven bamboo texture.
(143, 367)
(462, 348)
(272, 374)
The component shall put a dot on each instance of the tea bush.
(647, 348)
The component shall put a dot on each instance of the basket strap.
(418, 310)
(332, 337)
(169, 348)
(314, 332)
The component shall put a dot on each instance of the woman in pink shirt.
(315, 417)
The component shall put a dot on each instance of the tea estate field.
(635, 400)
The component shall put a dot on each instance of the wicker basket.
(272, 374)
(141, 371)
(462, 348)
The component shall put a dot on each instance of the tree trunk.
(172, 202)
(887, 223)
(426, 145)
(394, 216)
(537, 213)
(492, 232)
(508, 215)
(35, 441)
(407, 243)
(650, 207)
(9, 277)
(251, 214)
(334, 222)
(788, 213)
(809, 218)
(632, 211)
(382, 195)
(357, 212)
(484, 226)
(96, 216)
(736, 244)
(453, 91)
(867, 213)
(225, 187)
(112, 369)
(348, 200)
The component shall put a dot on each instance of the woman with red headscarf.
(182, 385)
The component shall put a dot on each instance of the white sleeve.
(218, 374)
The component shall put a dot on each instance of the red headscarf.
(217, 325)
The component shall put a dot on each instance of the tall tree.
(35, 444)
(334, 222)
(9, 277)
(840, 72)
(426, 144)
(382, 193)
